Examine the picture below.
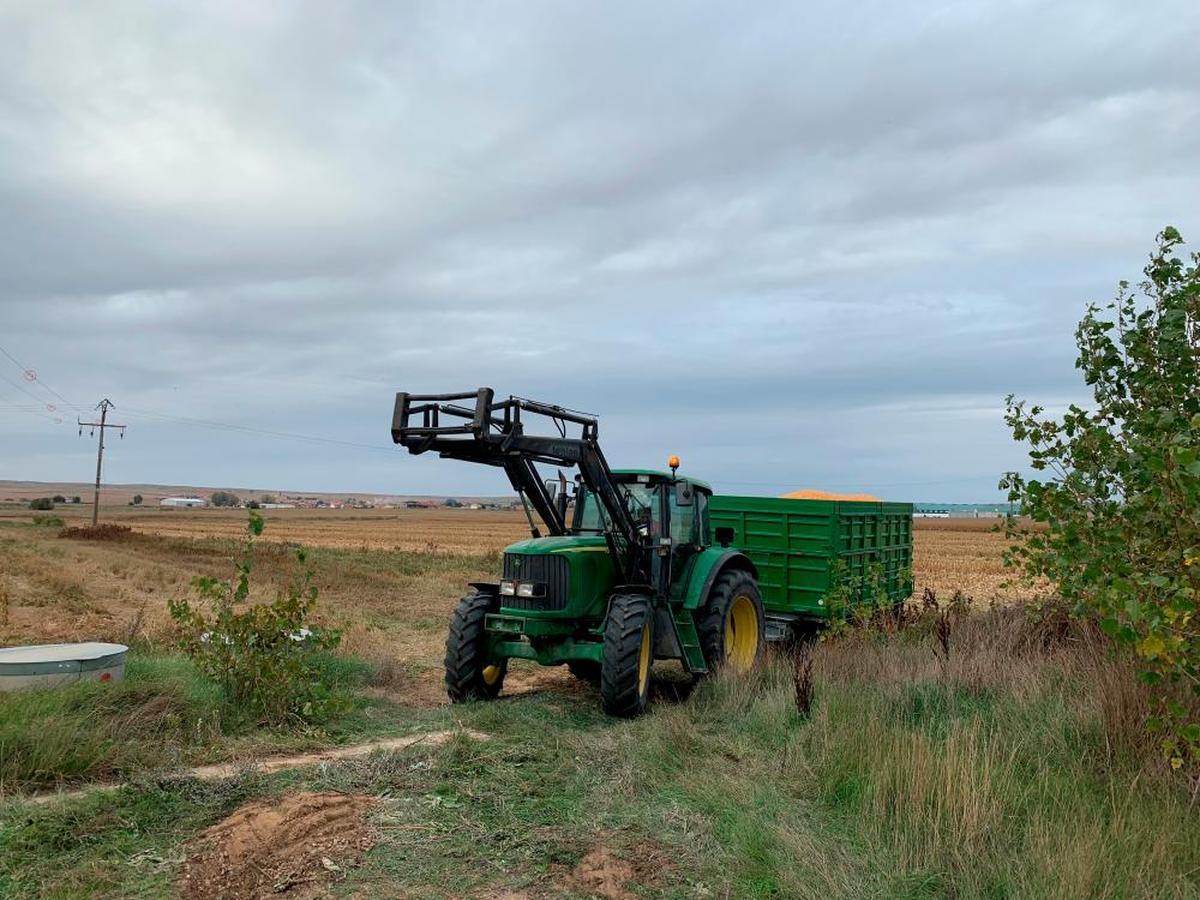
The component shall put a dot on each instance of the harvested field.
(389, 578)
(471, 531)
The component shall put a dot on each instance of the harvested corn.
(826, 495)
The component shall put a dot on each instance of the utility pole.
(104, 406)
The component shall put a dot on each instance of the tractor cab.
(670, 513)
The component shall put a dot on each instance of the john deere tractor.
(629, 571)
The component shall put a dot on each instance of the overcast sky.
(800, 245)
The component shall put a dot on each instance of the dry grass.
(1016, 767)
(1029, 735)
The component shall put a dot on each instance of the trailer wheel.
(628, 654)
(469, 673)
(731, 623)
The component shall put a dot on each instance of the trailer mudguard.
(708, 568)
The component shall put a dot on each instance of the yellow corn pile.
(826, 495)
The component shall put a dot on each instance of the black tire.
(628, 654)
(469, 673)
(731, 590)
(585, 670)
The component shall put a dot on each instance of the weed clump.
(268, 657)
(104, 532)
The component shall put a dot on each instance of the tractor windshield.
(639, 499)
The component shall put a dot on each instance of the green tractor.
(639, 564)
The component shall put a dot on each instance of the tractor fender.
(710, 565)
(485, 587)
(634, 588)
(630, 589)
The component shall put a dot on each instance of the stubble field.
(388, 578)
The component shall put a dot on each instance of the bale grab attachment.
(493, 433)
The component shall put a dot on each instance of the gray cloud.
(800, 246)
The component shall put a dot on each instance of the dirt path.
(270, 764)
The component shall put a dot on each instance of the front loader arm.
(493, 433)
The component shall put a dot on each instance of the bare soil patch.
(294, 843)
(603, 873)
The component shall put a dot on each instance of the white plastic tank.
(47, 665)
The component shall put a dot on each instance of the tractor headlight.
(507, 589)
(530, 589)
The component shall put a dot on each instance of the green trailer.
(640, 565)
(809, 551)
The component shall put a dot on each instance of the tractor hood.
(567, 543)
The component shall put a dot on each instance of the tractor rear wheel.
(470, 675)
(628, 654)
(731, 623)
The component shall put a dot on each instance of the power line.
(183, 420)
(249, 429)
(28, 371)
(42, 407)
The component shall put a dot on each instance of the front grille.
(551, 570)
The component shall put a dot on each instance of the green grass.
(125, 843)
(1008, 772)
(166, 714)
(162, 709)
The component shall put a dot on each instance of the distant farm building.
(931, 514)
(186, 502)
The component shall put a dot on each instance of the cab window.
(639, 499)
(683, 519)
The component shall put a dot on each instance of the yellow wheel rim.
(491, 674)
(741, 634)
(644, 659)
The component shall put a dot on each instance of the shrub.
(48, 521)
(224, 498)
(267, 656)
(1122, 497)
(136, 501)
(42, 503)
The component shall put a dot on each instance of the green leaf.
(1151, 646)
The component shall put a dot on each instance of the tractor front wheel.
(628, 654)
(470, 675)
(731, 624)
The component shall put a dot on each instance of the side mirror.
(552, 487)
(684, 495)
(723, 535)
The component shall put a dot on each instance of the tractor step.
(689, 641)
(779, 628)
